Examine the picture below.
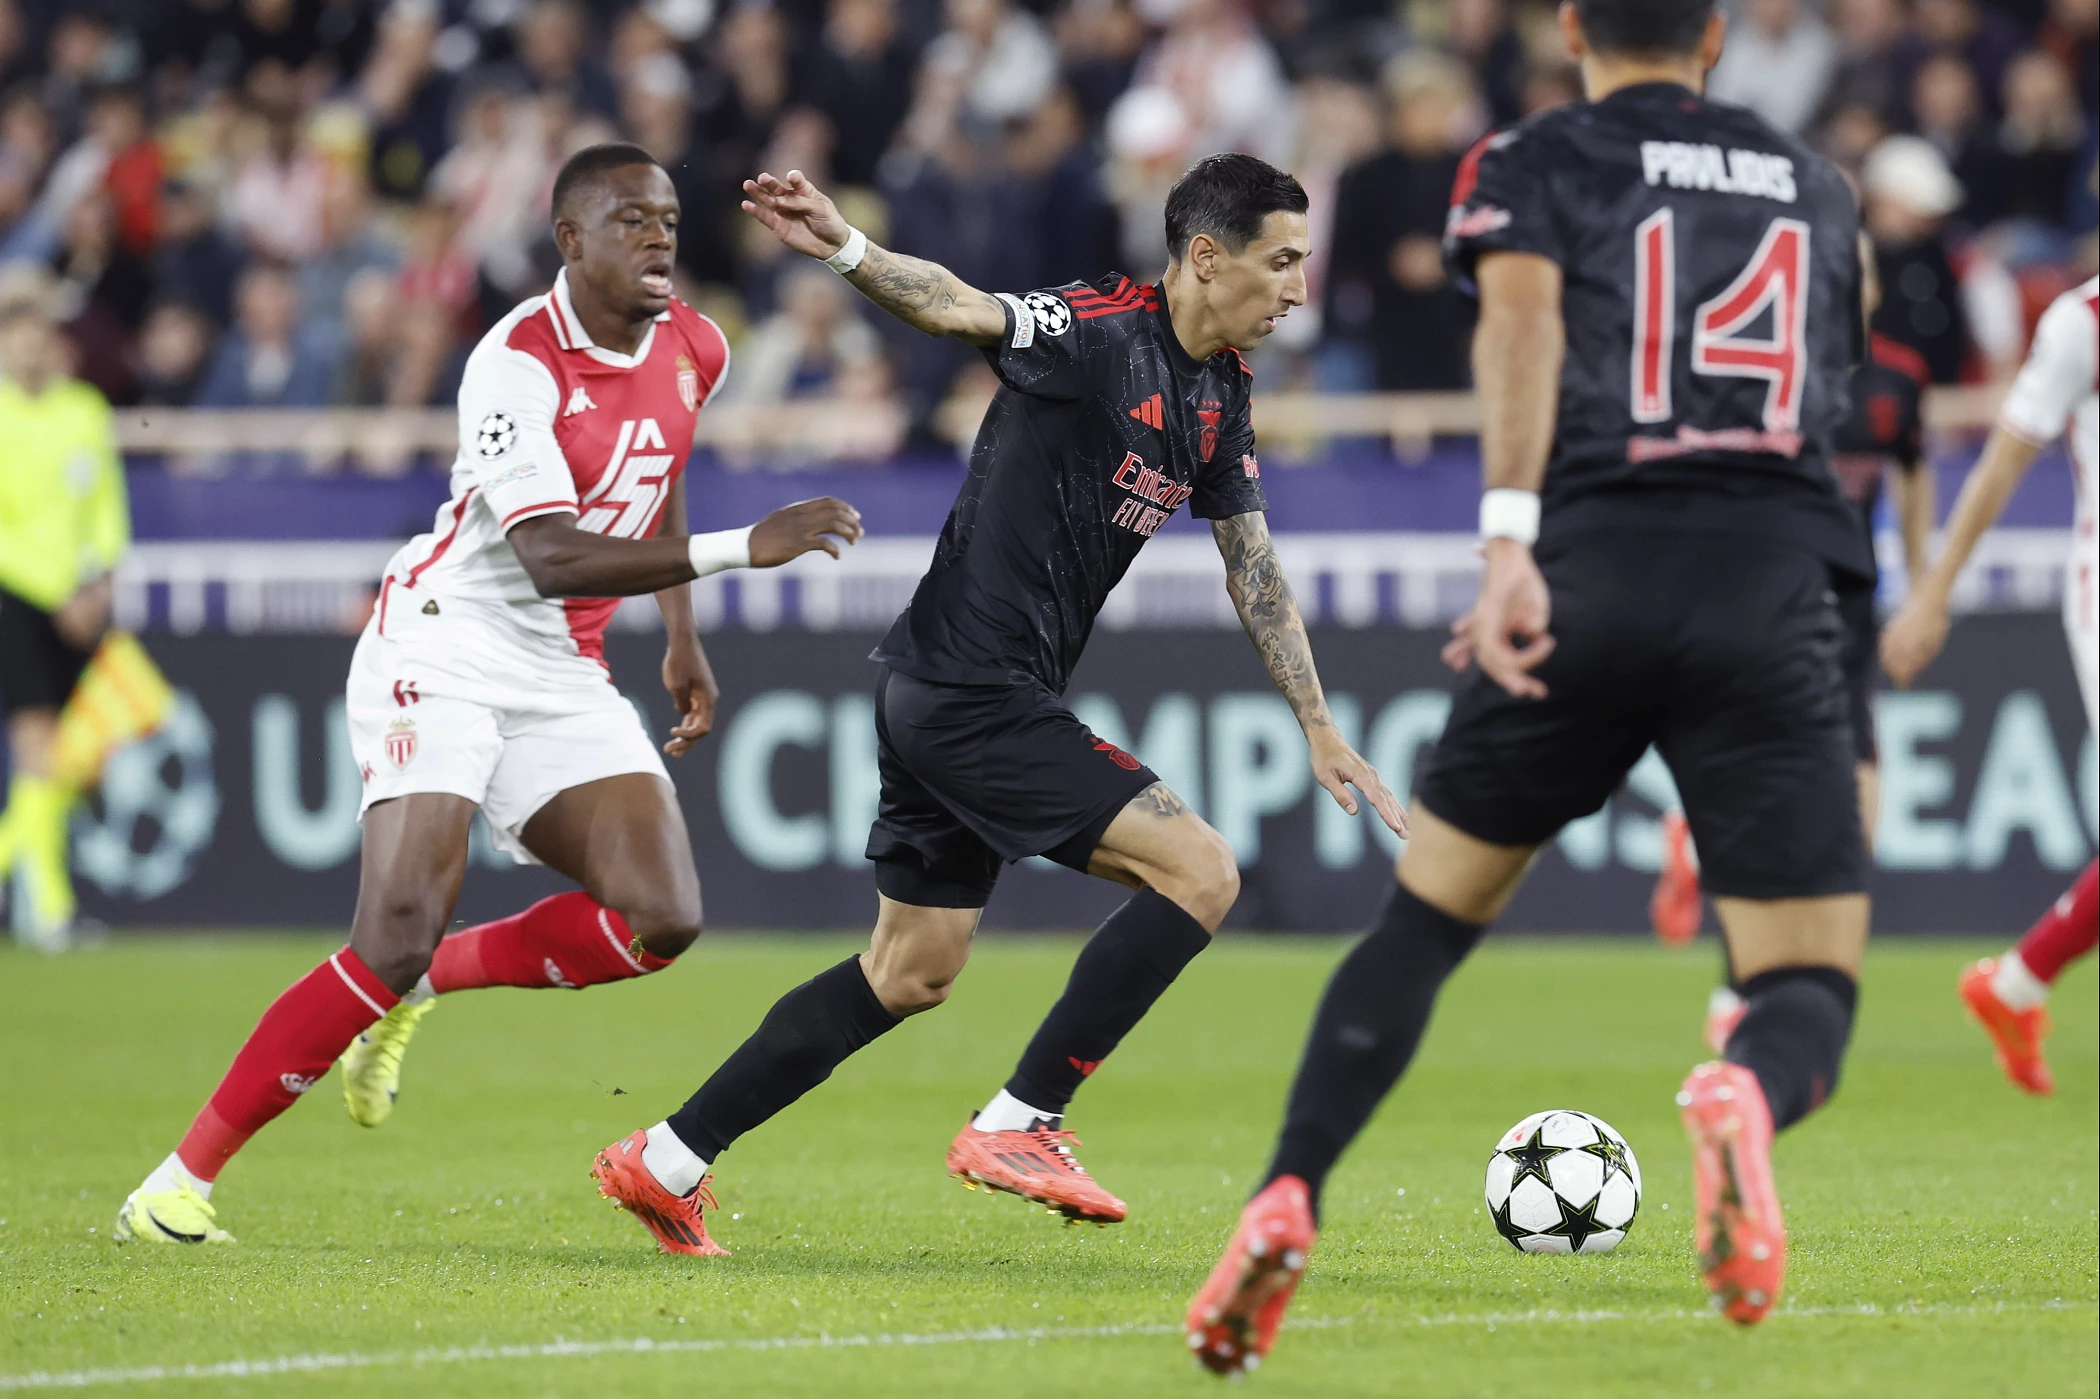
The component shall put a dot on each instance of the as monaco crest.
(401, 742)
(1207, 438)
(688, 385)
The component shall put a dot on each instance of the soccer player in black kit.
(1669, 311)
(1119, 403)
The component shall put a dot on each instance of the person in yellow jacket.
(64, 524)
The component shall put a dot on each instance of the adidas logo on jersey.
(1152, 413)
(579, 400)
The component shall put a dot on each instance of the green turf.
(1963, 1213)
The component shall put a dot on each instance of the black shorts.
(38, 667)
(1721, 651)
(974, 776)
(1862, 655)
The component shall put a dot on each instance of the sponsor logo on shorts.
(296, 1084)
(401, 743)
(1116, 755)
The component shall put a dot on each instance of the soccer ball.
(1563, 1181)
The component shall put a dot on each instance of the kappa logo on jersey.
(1049, 311)
(688, 384)
(1210, 415)
(1152, 412)
(1683, 165)
(579, 399)
(401, 743)
(498, 434)
(1153, 497)
(623, 502)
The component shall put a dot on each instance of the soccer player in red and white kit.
(480, 681)
(2057, 394)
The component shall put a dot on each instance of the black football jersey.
(1103, 426)
(1884, 428)
(1710, 274)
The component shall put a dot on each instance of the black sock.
(1369, 1022)
(1127, 964)
(809, 1032)
(1793, 1035)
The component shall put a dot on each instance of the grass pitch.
(1944, 1226)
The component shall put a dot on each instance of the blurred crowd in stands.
(297, 203)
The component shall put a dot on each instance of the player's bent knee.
(1203, 877)
(665, 929)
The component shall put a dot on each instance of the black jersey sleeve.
(1230, 480)
(1501, 203)
(1057, 340)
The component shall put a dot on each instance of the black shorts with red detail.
(38, 668)
(1722, 651)
(1860, 659)
(979, 776)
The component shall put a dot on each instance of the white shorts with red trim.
(2082, 625)
(439, 704)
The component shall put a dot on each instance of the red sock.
(304, 1031)
(569, 940)
(2067, 931)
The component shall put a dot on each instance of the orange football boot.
(1737, 1228)
(1232, 1321)
(1676, 908)
(677, 1221)
(1037, 1165)
(2017, 1034)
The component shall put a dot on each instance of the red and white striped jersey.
(551, 423)
(2057, 393)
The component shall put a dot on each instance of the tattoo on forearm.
(1269, 612)
(1159, 800)
(917, 292)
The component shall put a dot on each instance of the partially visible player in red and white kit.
(2056, 394)
(480, 682)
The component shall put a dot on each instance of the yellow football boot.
(372, 1064)
(178, 1215)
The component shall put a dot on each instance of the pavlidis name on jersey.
(1686, 165)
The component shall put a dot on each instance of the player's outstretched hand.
(1509, 635)
(1338, 767)
(794, 530)
(797, 212)
(1458, 651)
(691, 682)
(1913, 637)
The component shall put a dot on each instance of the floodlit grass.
(1959, 1214)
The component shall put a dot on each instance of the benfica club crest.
(688, 384)
(1207, 438)
(401, 742)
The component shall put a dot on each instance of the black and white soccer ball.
(1563, 1181)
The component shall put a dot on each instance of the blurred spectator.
(16, 59)
(1387, 288)
(102, 291)
(1002, 56)
(266, 360)
(801, 350)
(1984, 39)
(2072, 35)
(350, 244)
(1950, 114)
(1099, 41)
(1481, 33)
(1340, 124)
(1061, 210)
(1227, 79)
(433, 268)
(655, 104)
(195, 263)
(275, 199)
(1909, 194)
(859, 75)
(1778, 61)
(2039, 139)
(82, 54)
(26, 146)
(407, 98)
(496, 182)
(1876, 52)
(741, 89)
(171, 353)
(553, 40)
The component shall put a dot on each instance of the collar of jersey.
(1177, 353)
(1661, 90)
(570, 334)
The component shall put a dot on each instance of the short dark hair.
(1644, 26)
(582, 169)
(1228, 197)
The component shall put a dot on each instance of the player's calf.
(568, 941)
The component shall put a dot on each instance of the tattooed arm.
(924, 295)
(1269, 612)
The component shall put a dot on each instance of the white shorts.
(2082, 629)
(439, 704)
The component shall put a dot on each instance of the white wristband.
(1510, 514)
(848, 257)
(725, 548)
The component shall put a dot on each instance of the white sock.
(422, 991)
(1006, 1113)
(170, 1174)
(2016, 986)
(1723, 1000)
(673, 1163)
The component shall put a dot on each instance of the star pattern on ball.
(1577, 1223)
(1611, 1153)
(1507, 1227)
(1532, 1159)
